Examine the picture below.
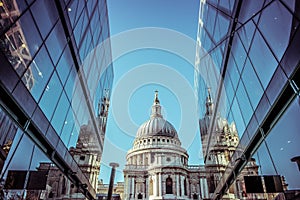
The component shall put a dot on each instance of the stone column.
(163, 184)
(138, 160)
(182, 185)
(190, 186)
(146, 195)
(200, 189)
(132, 188)
(126, 186)
(204, 188)
(159, 184)
(177, 185)
(188, 192)
(155, 185)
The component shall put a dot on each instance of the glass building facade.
(55, 81)
(248, 55)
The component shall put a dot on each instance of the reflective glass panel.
(56, 42)
(262, 59)
(59, 117)
(51, 95)
(64, 65)
(41, 70)
(275, 24)
(244, 103)
(283, 144)
(252, 84)
(45, 14)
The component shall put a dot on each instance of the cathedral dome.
(156, 125)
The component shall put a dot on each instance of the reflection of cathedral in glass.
(51, 80)
(14, 44)
(223, 144)
(87, 156)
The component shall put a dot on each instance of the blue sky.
(153, 48)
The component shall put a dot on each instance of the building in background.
(157, 166)
(102, 190)
(55, 81)
(248, 56)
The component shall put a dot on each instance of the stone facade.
(157, 166)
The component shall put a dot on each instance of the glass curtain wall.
(248, 56)
(55, 81)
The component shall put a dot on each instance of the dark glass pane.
(50, 97)
(283, 144)
(94, 24)
(253, 184)
(217, 57)
(233, 72)
(275, 24)
(206, 42)
(29, 37)
(221, 27)
(252, 127)
(70, 84)
(244, 103)
(25, 147)
(237, 118)
(262, 59)
(227, 4)
(59, 116)
(26, 101)
(41, 70)
(91, 6)
(45, 14)
(262, 108)
(10, 11)
(249, 9)
(252, 84)
(246, 33)
(228, 88)
(64, 65)
(56, 42)
(40, 120)
(68, 127)
(291, 4)
(74, 137)
(79, 29)
(276, 85)
(238, 52)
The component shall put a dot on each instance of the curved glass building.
(55, 81)
(248, 56)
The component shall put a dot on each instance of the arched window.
(169, 184)
(151, 187)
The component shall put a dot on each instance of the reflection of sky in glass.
(283, 145)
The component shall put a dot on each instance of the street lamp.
(112, 177)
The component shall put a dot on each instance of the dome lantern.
(156, 108)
